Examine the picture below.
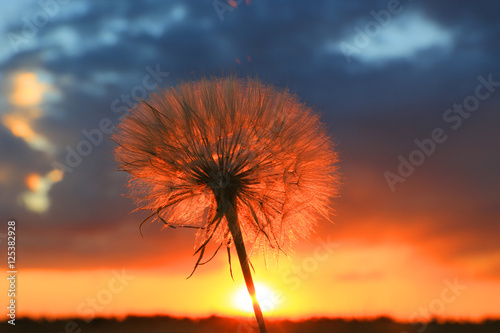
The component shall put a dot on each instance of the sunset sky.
(409, 90)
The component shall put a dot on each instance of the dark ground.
(221, 325)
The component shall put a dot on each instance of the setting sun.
(267, 298)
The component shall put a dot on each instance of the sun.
(267, 298)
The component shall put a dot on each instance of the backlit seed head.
(192, 150)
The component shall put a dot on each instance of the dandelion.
(247, 164)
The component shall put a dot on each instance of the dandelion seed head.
(192, 149)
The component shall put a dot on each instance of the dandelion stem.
(234, 227)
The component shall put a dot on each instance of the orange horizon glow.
(344, 285)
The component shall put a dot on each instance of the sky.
(409, 90)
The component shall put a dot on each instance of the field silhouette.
(165, 324)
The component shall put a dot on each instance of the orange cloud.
(28, 90)
(21, 128)
(26, 97)
(37, 199)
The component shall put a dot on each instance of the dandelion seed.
(246, 164)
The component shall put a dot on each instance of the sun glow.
(266, 297)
